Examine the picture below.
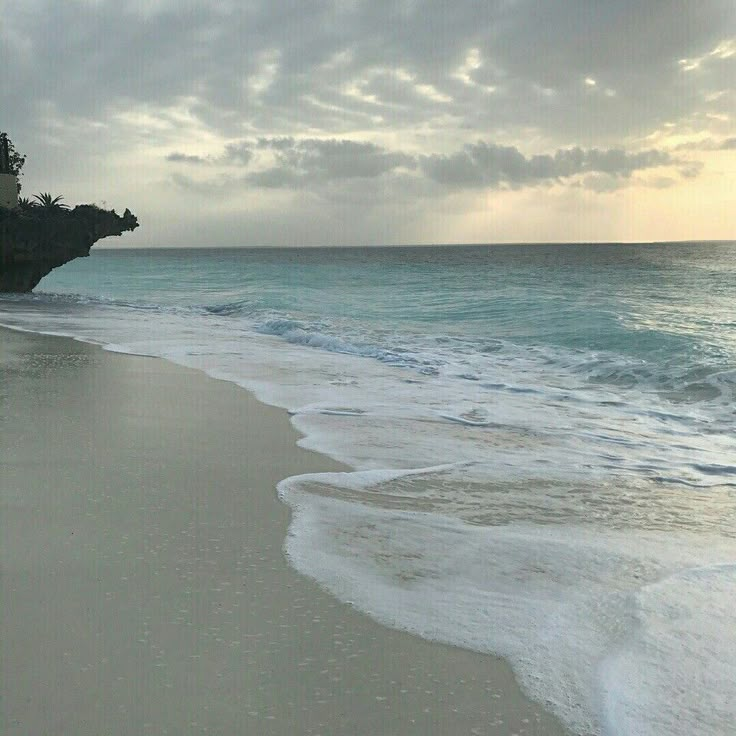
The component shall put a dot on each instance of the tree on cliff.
(16, 159)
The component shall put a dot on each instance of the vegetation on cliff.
(37, 236)
(15, 159)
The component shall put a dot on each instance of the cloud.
(239, 154)
(691, 169)
(361, 100)
(602, 183)
(184, 158)
(708, 144)
(489, 165)
(661, 182)
(315, 161)
(330, 67)
(289, 163)
(725, 49)
(308, 161)
(234, 154)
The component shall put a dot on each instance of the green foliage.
(17, 160)
(50, 203)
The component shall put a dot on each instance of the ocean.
(543, 440)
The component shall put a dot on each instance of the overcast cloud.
(402, 121)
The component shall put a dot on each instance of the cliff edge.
(35, 240)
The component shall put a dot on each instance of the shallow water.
(544, 434)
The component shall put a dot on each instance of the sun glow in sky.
(369, 122)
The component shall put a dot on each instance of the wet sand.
(144, 587)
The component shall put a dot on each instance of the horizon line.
(712, 241)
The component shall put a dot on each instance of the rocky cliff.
(35, 240)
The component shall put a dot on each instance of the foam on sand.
(606, 627)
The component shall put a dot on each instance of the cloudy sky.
(308, 122)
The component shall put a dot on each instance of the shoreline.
(145, 582)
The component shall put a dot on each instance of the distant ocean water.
(544, 440)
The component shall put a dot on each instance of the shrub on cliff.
(17, 160)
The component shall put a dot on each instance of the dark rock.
(35, 240)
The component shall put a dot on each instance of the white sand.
(144, 588)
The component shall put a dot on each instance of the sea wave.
(669, 381)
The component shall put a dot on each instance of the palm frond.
(49, 202)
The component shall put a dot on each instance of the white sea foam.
(676, 674)
(581, 529)
(619, 632)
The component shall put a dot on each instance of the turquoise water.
(543, 439)
(667, 312)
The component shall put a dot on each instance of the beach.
(368, 368)
(144, 584)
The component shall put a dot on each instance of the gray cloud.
(661, 182)
(314, 162)
(239, 154)
(184, 158)
(602, 183)
(691, 169)
(235, 154)
(329, 67)
(488, 165)
(708, 144)
(308, 161)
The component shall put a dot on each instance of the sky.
(354, 122)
